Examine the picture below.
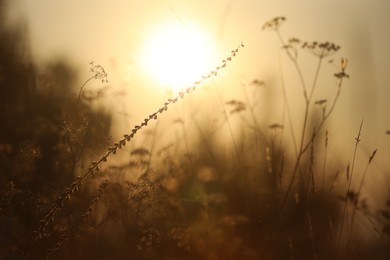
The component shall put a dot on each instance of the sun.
(177, 56)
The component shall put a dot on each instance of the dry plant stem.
(312, 235)
(79, 96)
(98, 73)
(355, 205)
(324, 164)
(312, 163)
(82, 87)
(228, 123)
(287, 108)
(76, 156)
(116, 209)
(296, 65)
(66, 237)
(306, 113)
(302, 147)
(300, 150)
(205, 139)
(320, 59)
(307, 107)
(95, 165)
(188, 150)
(185, 137)
(326, 116)
(349, 186)
(308, 99)
(257, 126)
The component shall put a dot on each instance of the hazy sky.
(113, 33)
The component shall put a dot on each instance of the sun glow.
(177, 56)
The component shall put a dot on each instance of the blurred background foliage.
(39, 147)
(207, 202)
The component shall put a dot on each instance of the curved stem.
(79, 96)
(294, 60)
(315, 77)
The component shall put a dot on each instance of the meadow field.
(203, 174)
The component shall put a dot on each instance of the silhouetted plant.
(95, 165)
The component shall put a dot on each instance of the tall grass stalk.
(324, 163)
(252, 105)
(229, 125)
(357, 141)
(287, 105)
(356, 204)
(96, 165)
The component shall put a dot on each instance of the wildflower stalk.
(349, 184)
(295, 63)
(355, 205)
(95, 165)
(321, 50)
